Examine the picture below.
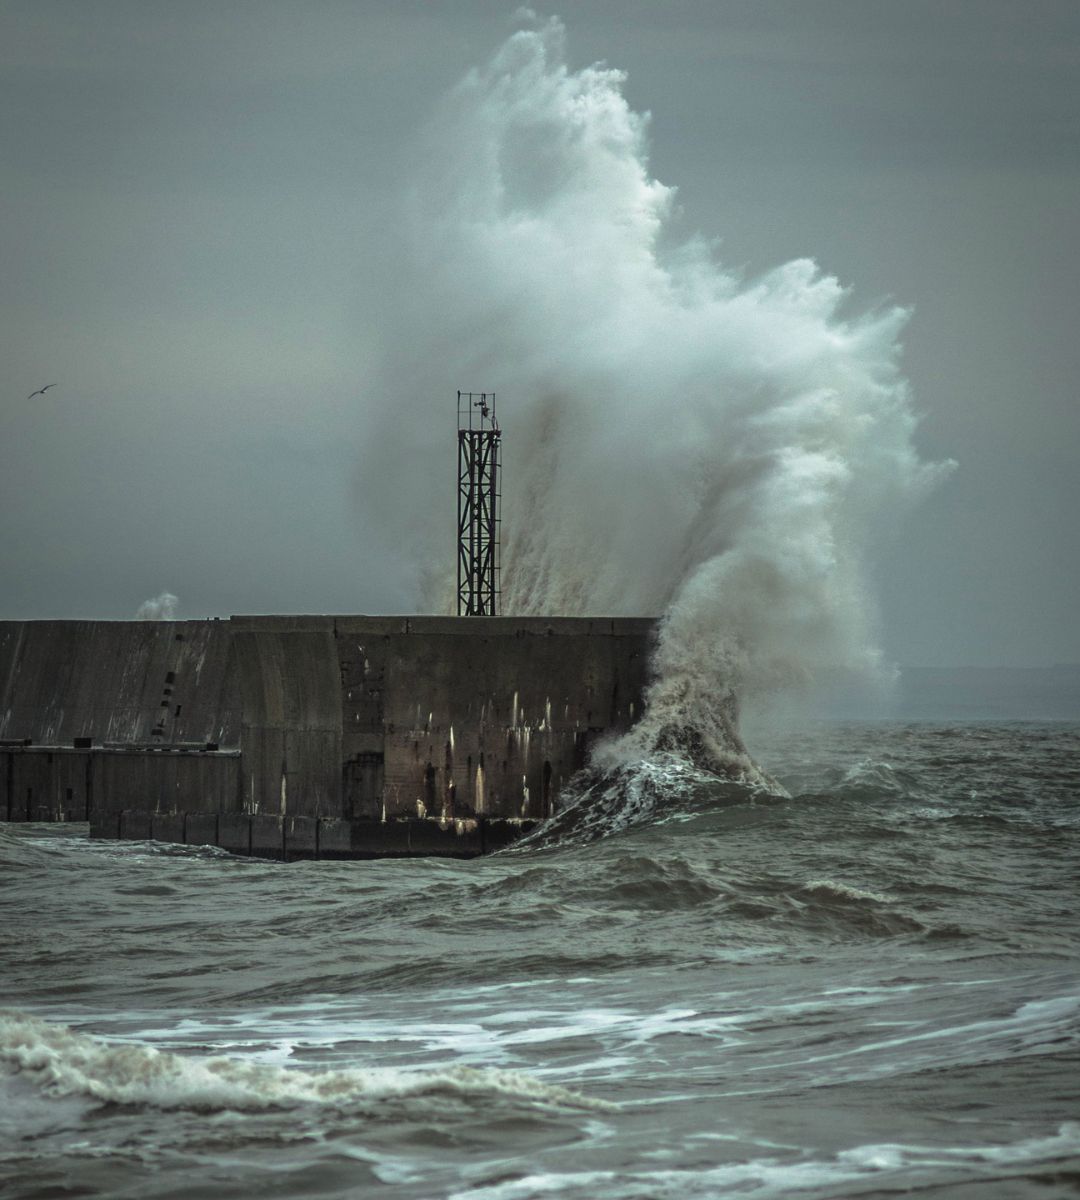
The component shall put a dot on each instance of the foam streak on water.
(866, 986)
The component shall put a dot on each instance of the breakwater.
(302, 737)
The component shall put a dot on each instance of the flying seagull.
(41, 391)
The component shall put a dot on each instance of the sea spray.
(679, 441)
(158, 608)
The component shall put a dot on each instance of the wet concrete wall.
(57, 783)
(310, 736)
(117, 682)
(491, 716)
(290, 728)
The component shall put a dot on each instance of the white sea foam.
(652, 788)
(63, 1062)
(870, 1165)
(678, 440)
(842, 891)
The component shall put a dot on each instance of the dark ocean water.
(870, 988)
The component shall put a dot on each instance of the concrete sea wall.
(318, 736)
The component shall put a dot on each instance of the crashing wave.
(62, 1062)
(607, 798)
(680, 440)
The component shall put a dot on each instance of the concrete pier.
(310, 737)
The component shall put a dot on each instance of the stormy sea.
(867, 987)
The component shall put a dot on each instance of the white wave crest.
(63, 1062)
(842, 891)
(613, 796)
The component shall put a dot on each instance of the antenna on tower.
(479, 443)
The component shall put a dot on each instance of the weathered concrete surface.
(58, 783)
(135, 825)
(233, 833)
(267, 836)
(105, 825)
(53, 786)
(300, 837)
(166, 781)
(290, 738)
(200, 829)
(117, 682)
(310, 736)
(167, 827)
(480, 716)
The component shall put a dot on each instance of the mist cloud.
(159, 608)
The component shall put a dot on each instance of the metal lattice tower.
(479, 441)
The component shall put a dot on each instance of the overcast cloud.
(194, 201)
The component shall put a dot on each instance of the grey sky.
(191, 194)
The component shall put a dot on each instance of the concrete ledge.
(267, 837)
(301, 837)
(105, 825)
(499, 833)
(234, 833)
(335, 838)
(135, 825)
(167, 827)
(455, 839)
(201, 829)
(380, 839)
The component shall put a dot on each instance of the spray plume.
(679, 441)
(159, 608)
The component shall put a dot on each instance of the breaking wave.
(612, 796)
(680, 441)
(62, 1062)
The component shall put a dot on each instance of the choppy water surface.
(869, 988)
